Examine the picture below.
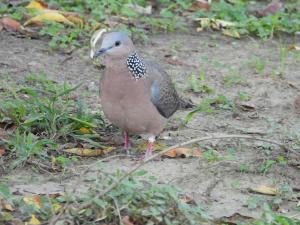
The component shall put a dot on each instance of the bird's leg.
(126, 142)
(149, 147)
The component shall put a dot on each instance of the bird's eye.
(117, 43)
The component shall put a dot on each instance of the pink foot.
(126, 143)
(149, 150)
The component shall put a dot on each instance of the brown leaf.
(186, 199)
(2, 152)
(245, 106)
(6, 206)
(126, 221)
(1, 27)
(200, 4)
(33, 200)
(88, 152)
(294, 47)
(74, 19)
(233, 219)
(10, 24)
(183, 153)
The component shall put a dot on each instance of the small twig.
(118, 210)
(117, 182)
(43, 167)
(57, 217)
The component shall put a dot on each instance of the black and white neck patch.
(136, 66)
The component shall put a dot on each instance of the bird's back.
(163, 92)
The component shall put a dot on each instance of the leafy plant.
(44, 113)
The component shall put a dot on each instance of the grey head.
(115, 45)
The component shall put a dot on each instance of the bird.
(136, 95)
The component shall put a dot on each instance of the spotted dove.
(136, 95)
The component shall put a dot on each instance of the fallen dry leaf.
(74, 19)
(88, 152)
(265, 190)
(126, 221)
(177, 62)
(37, 4)
(33, 221)
(6, 206)
(94, 39)
(294, 47)
(246, 106)
(217, 24)
(84, 130)
(200, 4)
(2, 151)
(54, 16)
(231, 33)
(186, 199)
(234, 219)
(1, 27)
(33, 200)
(10, 24)
(183, 152)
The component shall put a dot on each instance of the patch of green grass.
(210, 105)
(198, 84)
(243, 96)
(264, 27)
(44, 113)
(232, 78)
(211, 155)
(144, 202)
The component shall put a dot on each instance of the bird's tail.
(185, 103)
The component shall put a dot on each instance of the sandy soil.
(219, 186)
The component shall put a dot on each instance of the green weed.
(265, 27)
(209, 105)
(44, 113)
(198, 84)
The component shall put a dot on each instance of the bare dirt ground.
(219, 186)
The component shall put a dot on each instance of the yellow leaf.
(88, 152)
(183, 152)
(84, 130)
(49, 16)
(214, 23)
(37, 4)
(231, 33)
(266, 190)
(294, 47)
(33, 221)
(8, 207)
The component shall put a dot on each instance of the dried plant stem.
(195, 140)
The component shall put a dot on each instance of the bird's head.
(116, 45)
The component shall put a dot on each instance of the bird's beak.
(101, 51)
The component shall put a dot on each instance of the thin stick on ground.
(195, 140)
